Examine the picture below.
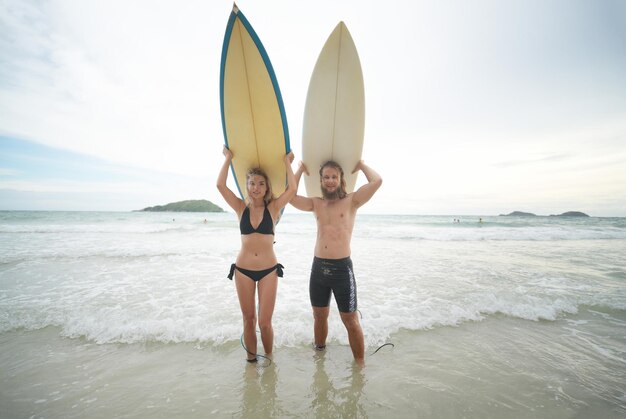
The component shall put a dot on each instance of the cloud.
(544, 159)
(9, 172)
(127, 92)
(65, 186)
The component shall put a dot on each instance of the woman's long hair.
(257, 171)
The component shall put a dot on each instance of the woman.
(256, 265)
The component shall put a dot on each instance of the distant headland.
(570, 214)
(530, 214)
(200, 205)
(519, 214)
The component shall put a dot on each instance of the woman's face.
(257, 187)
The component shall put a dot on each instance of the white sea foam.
(134, 277)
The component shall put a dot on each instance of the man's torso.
(335, 222)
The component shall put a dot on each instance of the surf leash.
(382, 346)
(256, 356)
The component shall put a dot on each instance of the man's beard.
(336, 194)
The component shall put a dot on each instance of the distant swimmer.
(480, 220)
(332, 271)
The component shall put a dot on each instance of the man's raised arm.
(365, 192)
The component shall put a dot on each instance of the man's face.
(330, 182)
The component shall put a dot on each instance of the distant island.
(519, 214)
(530, 214)
(570, 214)
(201, 205)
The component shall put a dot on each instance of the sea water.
(508, 317)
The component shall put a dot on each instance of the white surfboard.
(334, 114)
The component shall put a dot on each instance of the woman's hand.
(227, 153)
(302, 168)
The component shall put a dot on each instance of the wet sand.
(500, 367)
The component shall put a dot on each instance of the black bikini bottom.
(256, 276)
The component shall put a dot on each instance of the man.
(332, 270)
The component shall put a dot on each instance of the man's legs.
(319, 292)
(320, 325)
(355, 336)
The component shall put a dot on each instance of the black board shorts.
(336, 276)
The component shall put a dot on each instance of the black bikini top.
(266, 226)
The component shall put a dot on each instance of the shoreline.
(499, 367)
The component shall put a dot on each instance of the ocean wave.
(492, 228)
(421, 234)
(169, 285)
(117, 325)
(121, 256)
(407, 228)
(109, 230)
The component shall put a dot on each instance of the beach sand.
(501, 367)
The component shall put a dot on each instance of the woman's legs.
(245, 291)
(267, 300)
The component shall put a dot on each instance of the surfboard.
(253, 114)
(334, 112)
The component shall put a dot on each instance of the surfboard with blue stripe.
(253, 114)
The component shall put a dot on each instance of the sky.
(473, 107)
